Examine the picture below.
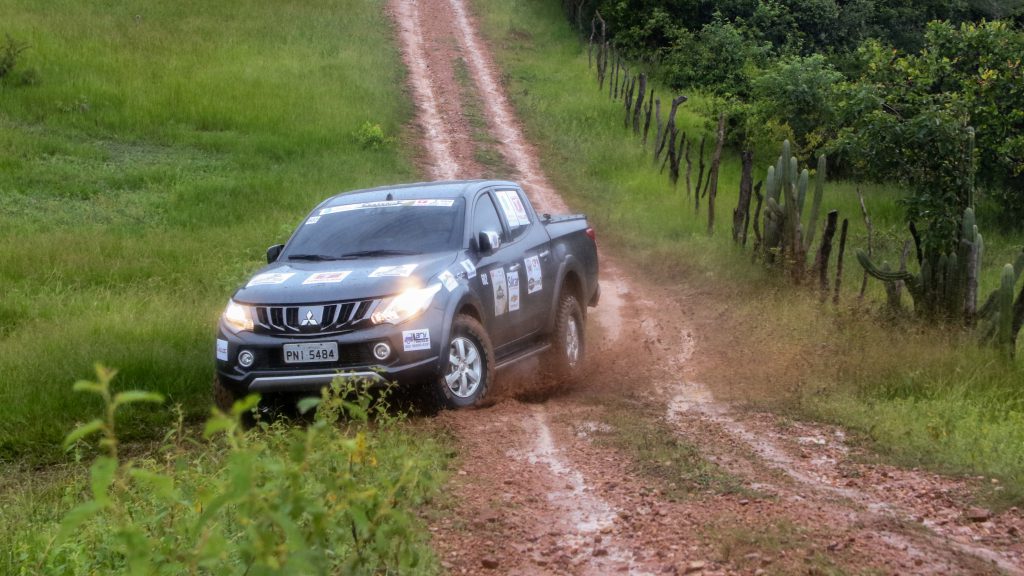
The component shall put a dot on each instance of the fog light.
(381, 351)
(246, 358)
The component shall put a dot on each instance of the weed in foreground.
(331, 497)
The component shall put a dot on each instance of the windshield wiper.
(367, 253)
(315, 257)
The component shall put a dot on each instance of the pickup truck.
(434, 284)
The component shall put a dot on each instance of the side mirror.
(273, 252)
(488, 241)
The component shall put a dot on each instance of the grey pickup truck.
(434, 284)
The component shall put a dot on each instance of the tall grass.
(925, 396)
(161, 149)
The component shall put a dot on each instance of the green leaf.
(307, 404)
(245, 405)
(87, 386)
(101, 477)
(76, 517)
(82, 431)
(132, 396)
(217, 423)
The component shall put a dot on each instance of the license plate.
(311, 352)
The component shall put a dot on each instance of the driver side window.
(485, 217)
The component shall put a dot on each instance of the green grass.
(924, 396)
(161, 148)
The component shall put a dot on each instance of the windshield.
(386, 228)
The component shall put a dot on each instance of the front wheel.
(568, 344)
(470, 366)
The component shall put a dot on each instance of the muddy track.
(541, 489)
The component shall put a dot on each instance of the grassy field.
(922, 396)
(156, 153)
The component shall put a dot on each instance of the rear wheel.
(470, 366)
(568, 343)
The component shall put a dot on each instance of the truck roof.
(419, 190)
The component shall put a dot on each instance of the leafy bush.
(371, 136)
(333, 497)
(9, 55)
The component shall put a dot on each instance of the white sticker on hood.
(327, 277)
(500, 290)
(270, 278)
(416, 339)
(404, 270)
(513, 290)
(467, 265)
(313, 220)
(534, 278)
(449, 281)
(222, 350)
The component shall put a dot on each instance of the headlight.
(404, 306)
(237, 316)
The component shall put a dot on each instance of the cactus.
(1002, 315)
(786, 195)
(947, 284)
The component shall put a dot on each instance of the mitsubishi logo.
(309, 320)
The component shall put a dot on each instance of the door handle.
(545, 254)
(513, 268)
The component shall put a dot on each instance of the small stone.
(462, 472)
(695, 566)
(976, 514)
(489, 563)
(600, 552)
(744, 502)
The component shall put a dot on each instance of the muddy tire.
(469, 370)
(564, 361)
(223, 397)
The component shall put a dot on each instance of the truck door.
(491, 282)
(532, 269)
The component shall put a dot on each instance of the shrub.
(371, 136)
(9, 55)
(333, 497)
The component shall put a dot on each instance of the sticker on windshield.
(270, 278)
(500, 290)
(327, 277)
(313, 220)
(416, 340)
(222, 350)
(440, 202)
(449, 281)
(513, 290)
(483, 279)
(467, 265)
(534, 280)
(404, 270)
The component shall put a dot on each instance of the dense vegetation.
(888, 88)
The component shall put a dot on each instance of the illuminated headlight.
(405, 306)
(238, 317)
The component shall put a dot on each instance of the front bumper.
(270, 374)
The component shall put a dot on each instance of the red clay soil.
(540, 490)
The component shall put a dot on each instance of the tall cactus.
(1002, 315)
(785, 197)
(947, 285)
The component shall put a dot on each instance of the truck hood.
(313, 282)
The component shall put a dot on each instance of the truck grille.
(313, 318)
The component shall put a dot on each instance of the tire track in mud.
(535, 500)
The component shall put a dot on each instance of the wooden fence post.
(839, 261)
(742, 212)
(641, 93)
(713, 176)
(658, 134)
(825, 251)
(871, 232)
(647, 119)
(700, 174)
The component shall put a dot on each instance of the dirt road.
(638, 469)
